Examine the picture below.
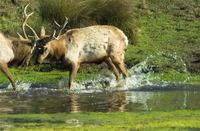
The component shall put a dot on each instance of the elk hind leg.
(113, 68)
(119, 63)
(123, 70)
(5, 70)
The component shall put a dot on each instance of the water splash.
(139, 75)
(20, 86)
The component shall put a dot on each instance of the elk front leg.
(72, 73)
(5, 70)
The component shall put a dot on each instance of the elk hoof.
(68, 87)
(14, 87)
(105, 83)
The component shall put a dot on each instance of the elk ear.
(42, 32)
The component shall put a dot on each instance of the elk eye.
(69, 39)
(45, 49)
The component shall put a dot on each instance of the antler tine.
(26, 17)
(54, 35)
(25, 23)
(25, 10)
(35, 34)
(66, 21)
(20, 36)
(57, 23)
(64, 25)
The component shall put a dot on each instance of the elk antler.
(26, 17)
(63, 27)
(54, 35)
(57, 23)
(20, 36)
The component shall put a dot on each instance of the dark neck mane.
(21, 50)
(18, 45)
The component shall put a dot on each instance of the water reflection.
(51, 101)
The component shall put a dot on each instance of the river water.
(53, 101)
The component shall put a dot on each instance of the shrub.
(82, 13)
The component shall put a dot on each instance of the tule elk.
(93, 44)
(16, 51)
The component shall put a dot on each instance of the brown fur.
(58, 48)
(22, 51)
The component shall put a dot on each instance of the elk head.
(42, 49)
(43, 46)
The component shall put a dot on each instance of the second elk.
(16, 51)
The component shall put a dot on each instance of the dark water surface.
(54, 101)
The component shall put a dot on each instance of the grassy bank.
(181, 119)
(32, 75)
(45, 74)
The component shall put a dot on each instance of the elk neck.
(21, 49)
(58, 48)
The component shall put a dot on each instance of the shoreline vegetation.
(158, 120)
(55, 76)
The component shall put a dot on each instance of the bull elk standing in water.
(17, 51)
(93, 44)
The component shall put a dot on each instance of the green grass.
(181, 119)
(173, 77)
(11, 17)
(32, 75)
(47, 75)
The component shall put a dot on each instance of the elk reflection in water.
(49, 101)
(58, 101)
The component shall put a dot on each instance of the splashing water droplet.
(137, 78)
(20, 86)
